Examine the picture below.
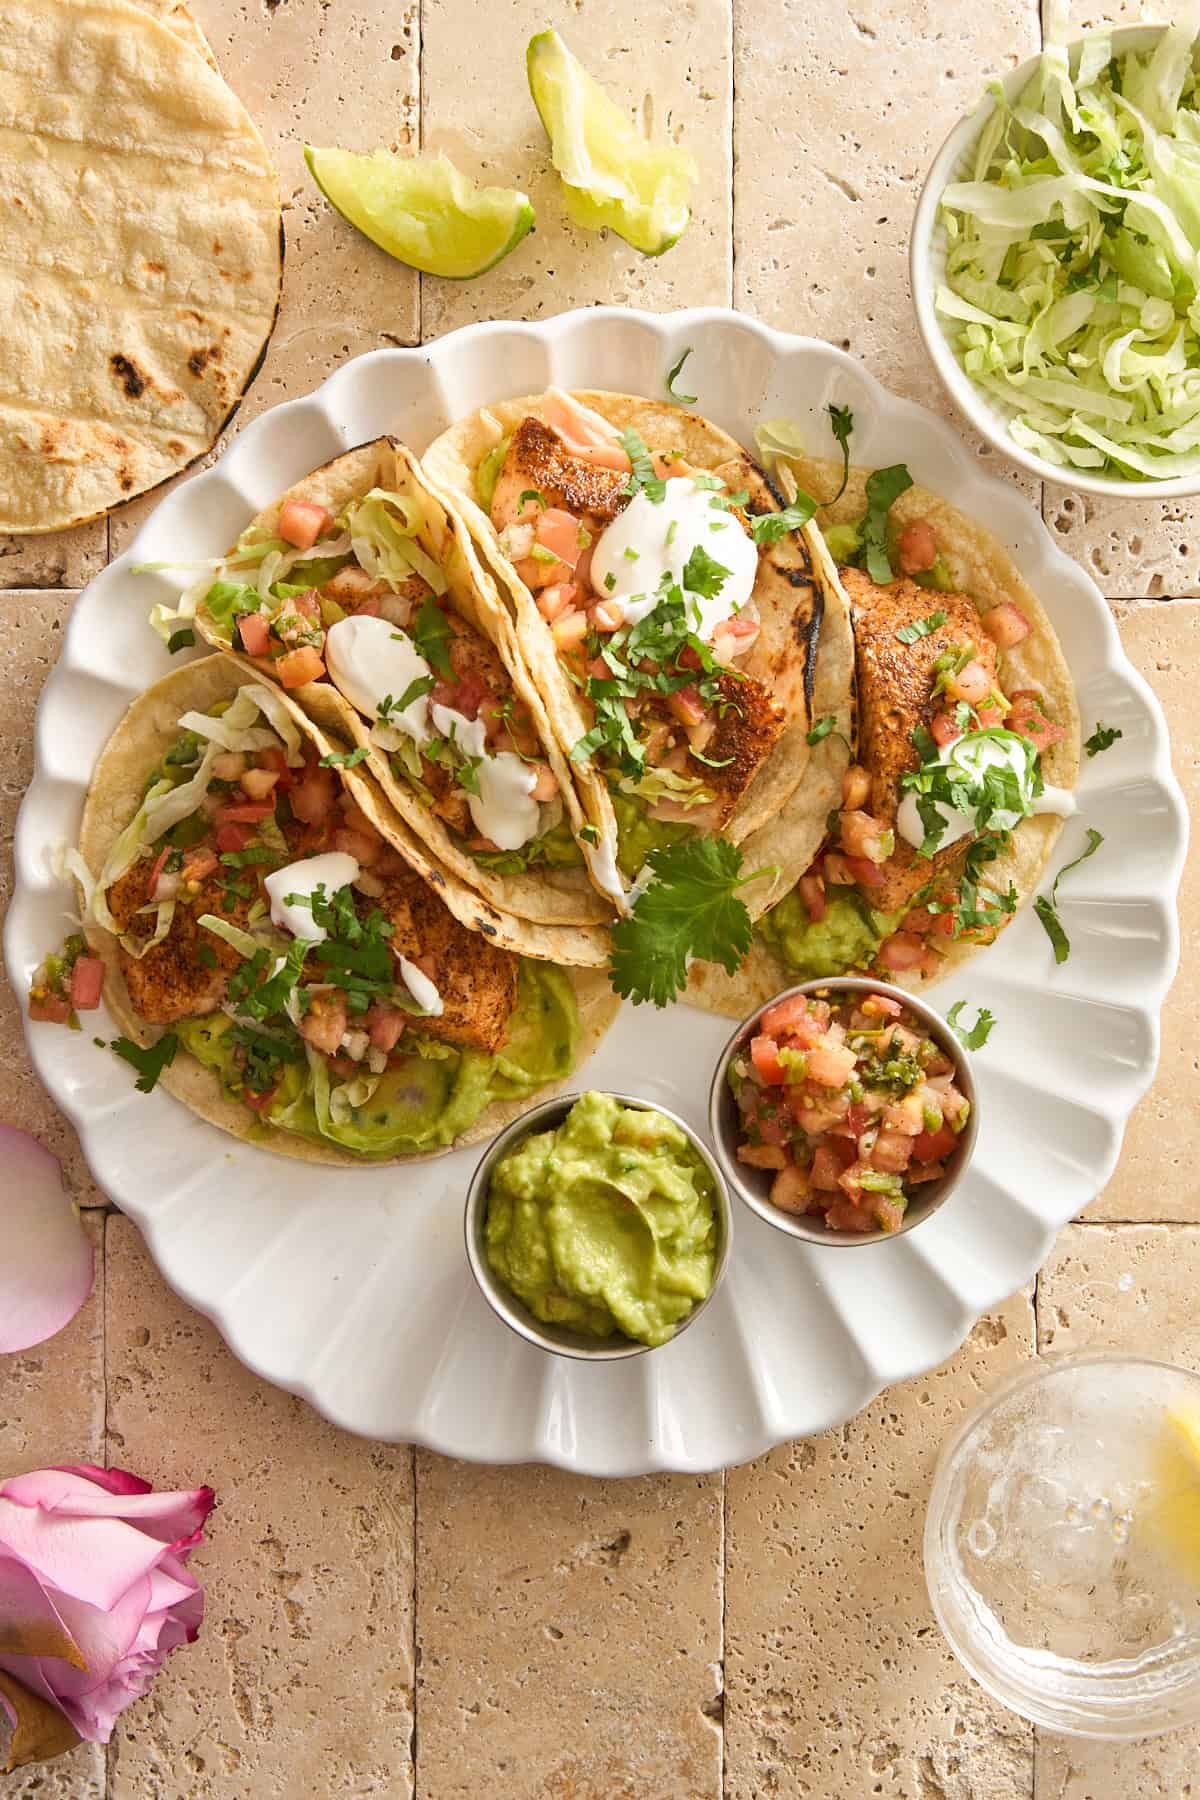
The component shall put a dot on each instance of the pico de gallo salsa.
(850, 1104)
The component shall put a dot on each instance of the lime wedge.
(611, 176)
(422, 210)
(1171, 1516)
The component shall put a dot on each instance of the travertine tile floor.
(382, 1623)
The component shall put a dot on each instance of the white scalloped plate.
(352, 1288)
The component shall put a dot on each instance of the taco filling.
(949, 764)
(649, 573)
(356, 600)
(262, 919)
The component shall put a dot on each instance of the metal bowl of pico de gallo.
(844, 1111)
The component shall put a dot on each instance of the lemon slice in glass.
(1170, 1517)
(611, 175)
(422, 210)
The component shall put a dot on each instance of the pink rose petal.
(171, 1517)
(48, 1266)
(113, 1481)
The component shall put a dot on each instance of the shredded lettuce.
(382, 527)
(1073, 257)
(348, 1095)
(242, 941)
(137, 947)
(664, 784)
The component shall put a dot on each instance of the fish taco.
(358, 593)
(282, 965)
(964, 750)
(675, 613)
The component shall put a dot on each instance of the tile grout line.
(416, 1645)
(110, 1749)
(723, 1550)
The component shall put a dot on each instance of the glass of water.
(1062, 1544)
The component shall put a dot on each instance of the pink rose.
(93, 1594)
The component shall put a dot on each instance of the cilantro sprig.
(768, 528)
(673, 375)
(1103, 738)
(431, 634)
(345, 759)
(841, 423)
(975, 1036)
(884, 488)
(150, 1061)
(921, 628)
(821, 729)
(642, 478)
(1046, 907)
(691, 908)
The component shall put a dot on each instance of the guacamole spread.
(846, 938)
(638, 834)
(606, 1225)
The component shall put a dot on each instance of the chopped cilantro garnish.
(841, 423)
(642, 479)
(149, 1062)
(673, 376)
(207, 955)
(431, 634)
(1103, 738)
(183, 639)
(345, 759)
(920, 628)
(980, 1031)
(467, 774)
(610, 580)
(884, 488)
(768, 528)
(691, 908)
(630, 554)
(1045, 906)
(533, 494)
(702, 575)
(423, 684)
(821, 728)
(246, 859)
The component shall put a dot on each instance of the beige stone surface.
(31, 628)
(570, 1635)
(52, 1411)
(838, 1680)
(476, 106)
(301, 1680)
(341, 74)
(1128, 1287)
(1157, 1176)
(59, 559)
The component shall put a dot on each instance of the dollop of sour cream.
(504, 809)
(651, 539)
(369, 661)
(331, 871)
(423, 991)
(966, 761)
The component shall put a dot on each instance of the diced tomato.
(686, 705)
(862, 835)
(545, 786)
(972, 684)
(857, 1118)
(1028, 717)
(991, 712)
(606, 615)
(866, 873)
(255, 634)
(924, 1172)
(199, 863)
(1006, 625)
(160, 863)
(384, 1025)
(301, 523)
(826, 1168)
(314, 794)
(87, 979)
(881, 1006)
(764, 1054)
(811, 889)
(831, 1065)
(553, 601)
(49, 1009)
(790, 1190)
(569, 630)
(763, 1156)
(793, 1015)
(932, 1146)
(277, 762)
(233, 837)
(916, 547)
(259, 1102)
(847, 1215)
(308, 604)
(903, 950)
(558, 531)
(889, 1213)
(300, 666)
(892, 1152)
(944, 729)
(244, 812)
(850, 1180)
(324, 1024)
(468, 696)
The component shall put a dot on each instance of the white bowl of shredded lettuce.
(1055, 261)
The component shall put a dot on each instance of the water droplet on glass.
(981, 1538)
(1101, 1508)
(1124, 1283)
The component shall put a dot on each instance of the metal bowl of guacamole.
(598, 1226)
(844, 1111)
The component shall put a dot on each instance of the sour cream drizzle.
(504, 809)
(331, 871)
(651, 539)
(966, 761)
(369, 660)
(423, 991)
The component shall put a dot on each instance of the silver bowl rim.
(558, 1340)
(796, 1226)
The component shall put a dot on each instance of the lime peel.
(1170, 1518)
(422, 210)
(612, 177)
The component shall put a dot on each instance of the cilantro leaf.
(1103, 738)
(690, 908)
(920, 628)
(534, 494)
(345, 759)
(431, 633)
(149, 1062)
(185, 637)
(642, 478)
(884, 488)
(423, 684)
(703, 576)
(975, 1037)
(1046, 908)
(768, 528)
(821, 729)
(467, 775)
(673, 376)
(841, 423)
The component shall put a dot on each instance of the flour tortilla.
(146, 732)
(548, 897)
(981, 567)
(798, 592)
(143, 254)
